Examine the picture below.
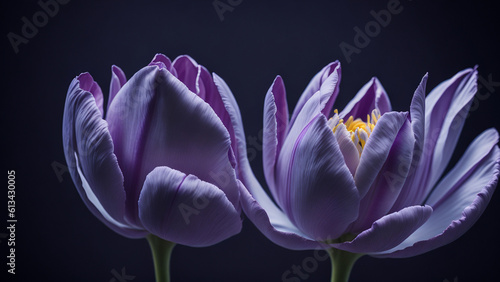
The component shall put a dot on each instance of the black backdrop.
(57, 238)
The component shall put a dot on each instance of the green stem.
(161, 250)
(342, 263)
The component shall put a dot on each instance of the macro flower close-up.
(368, 180)
(158, 161)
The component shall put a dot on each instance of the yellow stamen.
(360, 130)
(349, 121)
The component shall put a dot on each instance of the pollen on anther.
(358, 129)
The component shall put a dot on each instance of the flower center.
(358, 129)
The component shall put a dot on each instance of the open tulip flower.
(160, 161)
(369, 180)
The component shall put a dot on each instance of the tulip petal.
(270, 220)
(186, 210)
(319, 192)
(446, 108)
(478, 150)
(275, 129)
(311, 110)
(88, 149)
(87, 83)
(257, 205)
(167, 125)
(187, 71)
(377, 149)
(388, 184)
(371, 96)
(417, 117)
(210, 93)
(235, 124)
(459, 199)
(389, 231)
(452, 124)
(316, 104)
(417, 114)
(347, 147)
(326, 81)
(118, 79)
(101, 212)
(204, 87)
(163, 62)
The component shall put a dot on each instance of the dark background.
(57, 238)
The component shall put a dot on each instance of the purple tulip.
(369, 180)
(161, 159)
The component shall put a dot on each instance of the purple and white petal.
(184, 209)
(326, 81)
(446, 108)
(275, 129)
(371, 96)
(311, 110)
(347, 147)
(257, 205)
(387, 185)
(235, 124)
(377, 149)
(319, 195)
(389, 231)
(270, 220)
(208, 91)
(87, 83)
(266, 216)
(316, 104)
(417, 116)
(118, 79)
(187, 71)
(162, 61)
(459, 199)
(88, 149)
(166, 124)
